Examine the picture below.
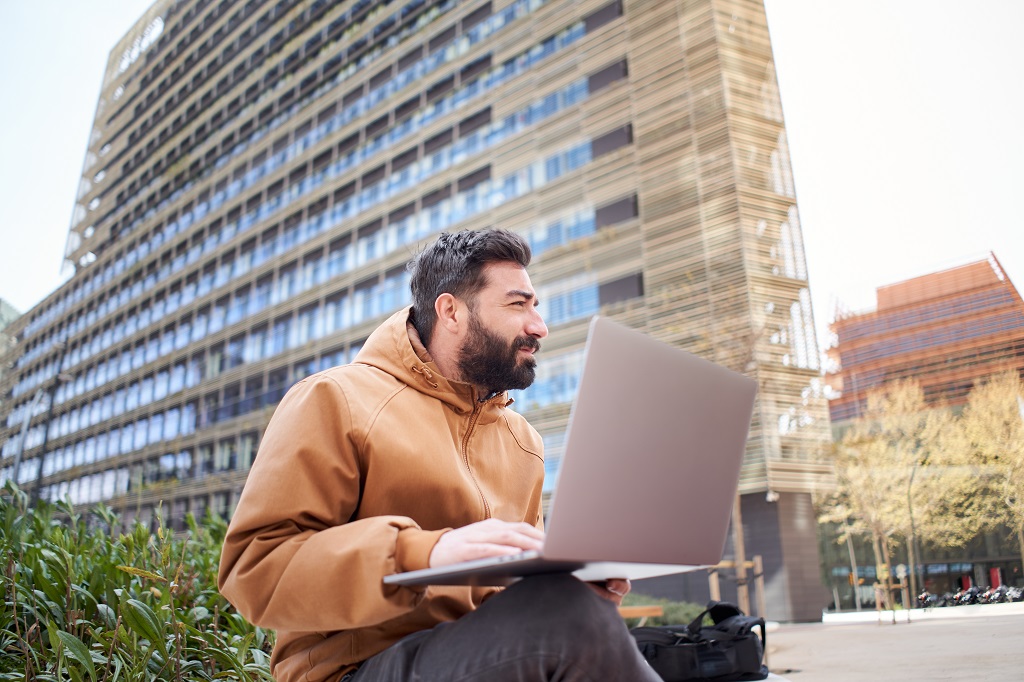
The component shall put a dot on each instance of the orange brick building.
(946, 329)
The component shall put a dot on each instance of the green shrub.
(675, 612)
(81, 604)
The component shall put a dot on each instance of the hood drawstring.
(428, 376)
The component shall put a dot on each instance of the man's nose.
(536, 327)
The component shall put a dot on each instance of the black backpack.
(728, 650)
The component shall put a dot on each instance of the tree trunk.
(1020, 545)
(888, 575)
(855, 573)
(912, 560)
(876, 546)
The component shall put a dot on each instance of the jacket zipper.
(465, 459)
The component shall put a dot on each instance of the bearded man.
(409, 458)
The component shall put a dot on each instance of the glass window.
(153, 349)
(177, 378)
(199, 325)
(107, 409)
(124, 363)
(127, 438)
(255, 344)
(339, 260)
(308, 327)
(183, 465)
(235, 352)
(146, 391)
(182, 334)
(172, 420)
(139, 355)
(226, 458)
(141, 433)
(279, 336)
(132, 396)
(247, 451)
(167, 342)
(156, 428)
(188, 419)
(161, 385)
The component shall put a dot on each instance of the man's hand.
(484, 539)
(613, 589)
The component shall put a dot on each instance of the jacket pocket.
(329, 654)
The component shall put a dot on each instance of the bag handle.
(719, 611)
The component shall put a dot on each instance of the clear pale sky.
(905, 121)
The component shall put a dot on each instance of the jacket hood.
(395, 348)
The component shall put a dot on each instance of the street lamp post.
(34, 497)
(23, 436)
(912, 548)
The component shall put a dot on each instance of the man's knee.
(559, 604)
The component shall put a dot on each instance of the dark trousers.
(550, 627)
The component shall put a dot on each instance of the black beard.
(488, 360)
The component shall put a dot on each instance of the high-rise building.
(946, 329)
(260, 172)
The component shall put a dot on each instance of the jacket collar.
(395, 348)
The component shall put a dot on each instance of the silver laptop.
(652, 460)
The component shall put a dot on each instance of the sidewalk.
(980, 642)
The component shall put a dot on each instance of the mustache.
(526, 342)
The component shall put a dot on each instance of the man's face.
(503, 333)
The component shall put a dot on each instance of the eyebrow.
(520, 293)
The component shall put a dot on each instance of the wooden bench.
(641, 612)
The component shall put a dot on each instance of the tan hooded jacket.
(360, 471)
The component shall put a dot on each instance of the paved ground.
(978, 643)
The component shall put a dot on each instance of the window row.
(156, 428)
(175, 513)
(971, 303)
(248, 395)
(234, 453)
(966, 331)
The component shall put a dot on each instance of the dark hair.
(454, 265)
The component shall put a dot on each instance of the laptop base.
(487, 572)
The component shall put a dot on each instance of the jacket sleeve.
(292, 559)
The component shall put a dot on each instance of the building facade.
(260, 172)
(946, 329)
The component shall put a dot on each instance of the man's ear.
(449, 312)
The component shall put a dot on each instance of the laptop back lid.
(653, 454)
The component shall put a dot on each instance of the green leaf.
(198, 614)
(77, 650)
(107, 615)
(139, 617)
(51, 632)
